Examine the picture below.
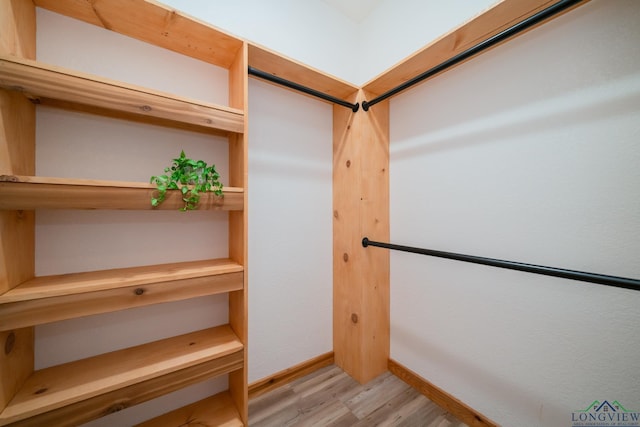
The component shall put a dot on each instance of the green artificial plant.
(191, 178)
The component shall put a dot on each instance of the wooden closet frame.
(70, 394)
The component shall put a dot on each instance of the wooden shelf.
(218, 410)
(52, 298)
(77, 392)
(80, 391)
(49, 84)
(32, 192)
(154, 23)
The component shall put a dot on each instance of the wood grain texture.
(214, 411)
(40, 311)
(17, 156)
(93, 281)
(443, 399)
(330, 397)
(30, 192)
(18, 28)
(57, 389)
(70, 400)
(16, 364)
(238, 223)
(361, 208)
(79, 413)
(41, 82)
(17, 262)
(52, 298)
(17, 134)
(288, 375)
(17, 228)
(490, 22)
(154, 23)
(274, 63)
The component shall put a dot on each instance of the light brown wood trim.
(29, 192)
(16, 361)
(93, 387)
(47, 299)
(88, 182)
(360, 208)
(37, 80)
(279, 65)
(76, 414)
(218, 410)
(17, 228)
(463, 412)
(39, 311)
(290, 374)
(18, 28)
(154, 23)
(101, 280)
(490, 22)
(238, 223)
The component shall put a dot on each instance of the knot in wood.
(116, 408)
(9, 343)
(145, 108)
(345, 257)
(348, 163)
(354, 318)
(139, 291)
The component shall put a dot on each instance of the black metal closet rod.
(601, 279)
(501, 36)
(292, 85)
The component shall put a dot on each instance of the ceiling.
(357, 10)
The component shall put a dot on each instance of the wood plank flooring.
(330, 397)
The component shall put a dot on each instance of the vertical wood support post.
(17, 228)
(238, 170)
(361, 208)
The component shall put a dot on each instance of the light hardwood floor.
(330, 397)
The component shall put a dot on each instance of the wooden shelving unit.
(51, 298)
(213, 411)
(76, 392)
(52, 85)
(34, 192)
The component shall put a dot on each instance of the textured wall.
(309, 31)
(395, 29)
(529, 153)
(316, 34)
(290, 229)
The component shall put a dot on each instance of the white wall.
(395, 29)
(309, 31)
(290, 229)
(72, 144)
(322, 37)
(528, 153)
